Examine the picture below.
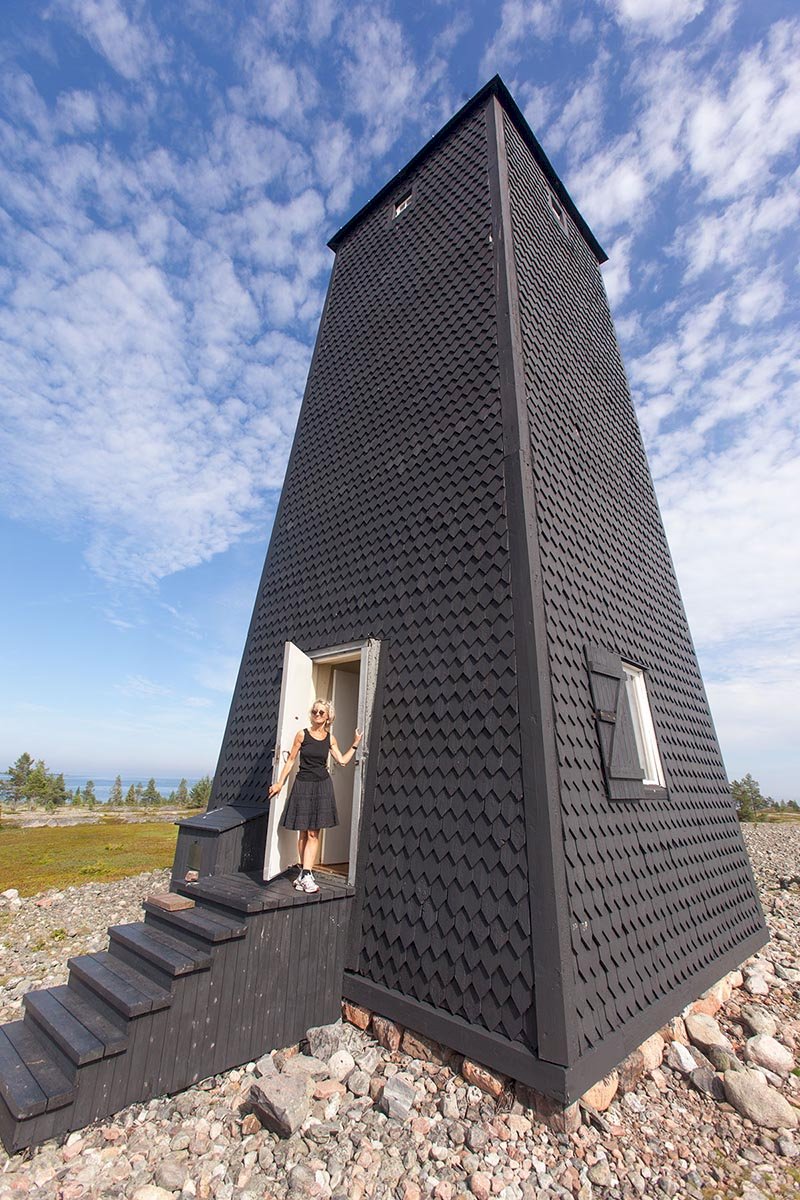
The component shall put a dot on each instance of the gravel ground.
(662, 1138)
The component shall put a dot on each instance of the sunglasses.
(318, 712)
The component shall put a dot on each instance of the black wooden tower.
(544, 861)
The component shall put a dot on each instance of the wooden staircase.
(174, 999)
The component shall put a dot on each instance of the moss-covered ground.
(33, 860)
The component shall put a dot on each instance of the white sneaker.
(308, 883)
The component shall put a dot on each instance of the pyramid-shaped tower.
(546, 858)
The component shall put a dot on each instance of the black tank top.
(314, 757)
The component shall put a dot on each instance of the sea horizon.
(104, 783)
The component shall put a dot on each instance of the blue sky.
(169, 175)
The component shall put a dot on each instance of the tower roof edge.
(495, 87)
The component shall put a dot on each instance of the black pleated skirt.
(311, 805)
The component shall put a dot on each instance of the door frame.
(368, 653)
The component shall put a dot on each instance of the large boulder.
(751, 1095)
(281, 1103)
(765, 1051)
(704, 1032)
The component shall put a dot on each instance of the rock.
(652, 1052)
(758, 1020)
(424, 1048)
(680, 1058)
(630, 1071)
(150, 1192)
(480, 1185)
(704, 1031)
(789, 974)
(387, 1033)
(369, 1060)
(398, 1097)
(477, 1138)
(171, 1172)
(265, 1067)
(600, 1095)
(448, 1107)
(282, 1103)
(756, 985)
(481, 1077)
(787, 1147)
(326, 1088)
(752, 1096)
(250, 1124)
(10, 894)
(674, 1031)
(358, 1083)
(356, 1014)
(341, 1064)
(765, 1051)
(324, 1040)
(723, 1060)
(600, 1173)
(556, 1116)
(410, 1191)
(305, 1064)
(708, 1083)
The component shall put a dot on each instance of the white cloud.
(520, 21)
(140, 685)
(132, 48)
(380, 77)
(760, 299)
(656, 18)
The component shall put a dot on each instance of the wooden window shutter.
(621, 766)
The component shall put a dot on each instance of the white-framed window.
(556, 208)
(402, 204)
(643, 729)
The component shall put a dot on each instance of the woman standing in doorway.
(312, 804)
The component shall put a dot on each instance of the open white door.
(368, 678)
(297, 697)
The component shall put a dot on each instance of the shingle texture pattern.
(392, 525)
(658, 888)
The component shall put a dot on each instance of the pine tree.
(182, 794)
(77, 798)
(89, 797)
(115, 795)
(130, 797)
(14, 788)
(152, 795)
(201, 792)
(748, 798)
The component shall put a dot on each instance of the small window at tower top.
(557, 210)
(402, 204)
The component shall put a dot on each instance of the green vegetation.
(32, 860)
(28, 783)
(752, 806)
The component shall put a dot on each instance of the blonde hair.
(330, 710)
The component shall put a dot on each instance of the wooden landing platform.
(177, 997)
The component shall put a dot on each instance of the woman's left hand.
(358, 736)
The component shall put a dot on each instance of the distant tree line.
(28, 782)
(751, 805)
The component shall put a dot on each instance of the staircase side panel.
(392, 525)
(659, 889)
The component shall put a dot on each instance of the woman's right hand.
(273, 791)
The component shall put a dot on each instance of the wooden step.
(208, 926)
(120, 986)
(226, 892)
(168, 953)
(30, 1082)
(80, 1032)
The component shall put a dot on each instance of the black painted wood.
(58, 1089)
(49, 1015)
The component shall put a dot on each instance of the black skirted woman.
(312, 804)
